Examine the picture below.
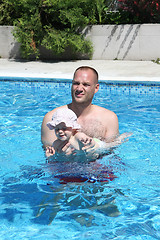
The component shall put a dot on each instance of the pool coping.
(65, 80)
(110, 72)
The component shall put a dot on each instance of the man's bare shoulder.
(108, 120)
(106, 113)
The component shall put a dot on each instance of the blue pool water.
(33, 202)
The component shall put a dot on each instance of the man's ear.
(97, 87)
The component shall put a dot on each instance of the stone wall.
(122, 42)
(125, 42)
(9, 48)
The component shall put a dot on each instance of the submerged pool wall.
(110, 42)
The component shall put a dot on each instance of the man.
(95, 121)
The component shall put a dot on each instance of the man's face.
(84, 86)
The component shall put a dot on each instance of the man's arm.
(47, 135)
(111, 126)
(112, 138)
(110, 130)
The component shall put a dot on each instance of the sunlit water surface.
(119, 197)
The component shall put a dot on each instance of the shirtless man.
(95, 121)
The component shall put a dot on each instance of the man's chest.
(93, 128)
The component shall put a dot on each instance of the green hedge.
(58, 25)
(54, 24)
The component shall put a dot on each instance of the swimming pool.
(35, 205)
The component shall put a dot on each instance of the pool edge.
(48, 79)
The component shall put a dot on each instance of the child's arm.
(83, 138)
(86, 142)
(57, 147)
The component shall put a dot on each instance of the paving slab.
(108, 70)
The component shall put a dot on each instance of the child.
(67, 130)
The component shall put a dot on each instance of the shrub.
(54, 24)
(8, 12)
(58, 25)
(141, 11)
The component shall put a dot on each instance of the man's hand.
(124, 137)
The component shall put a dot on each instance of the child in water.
(67, 130)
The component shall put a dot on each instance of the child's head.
(64, 122)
